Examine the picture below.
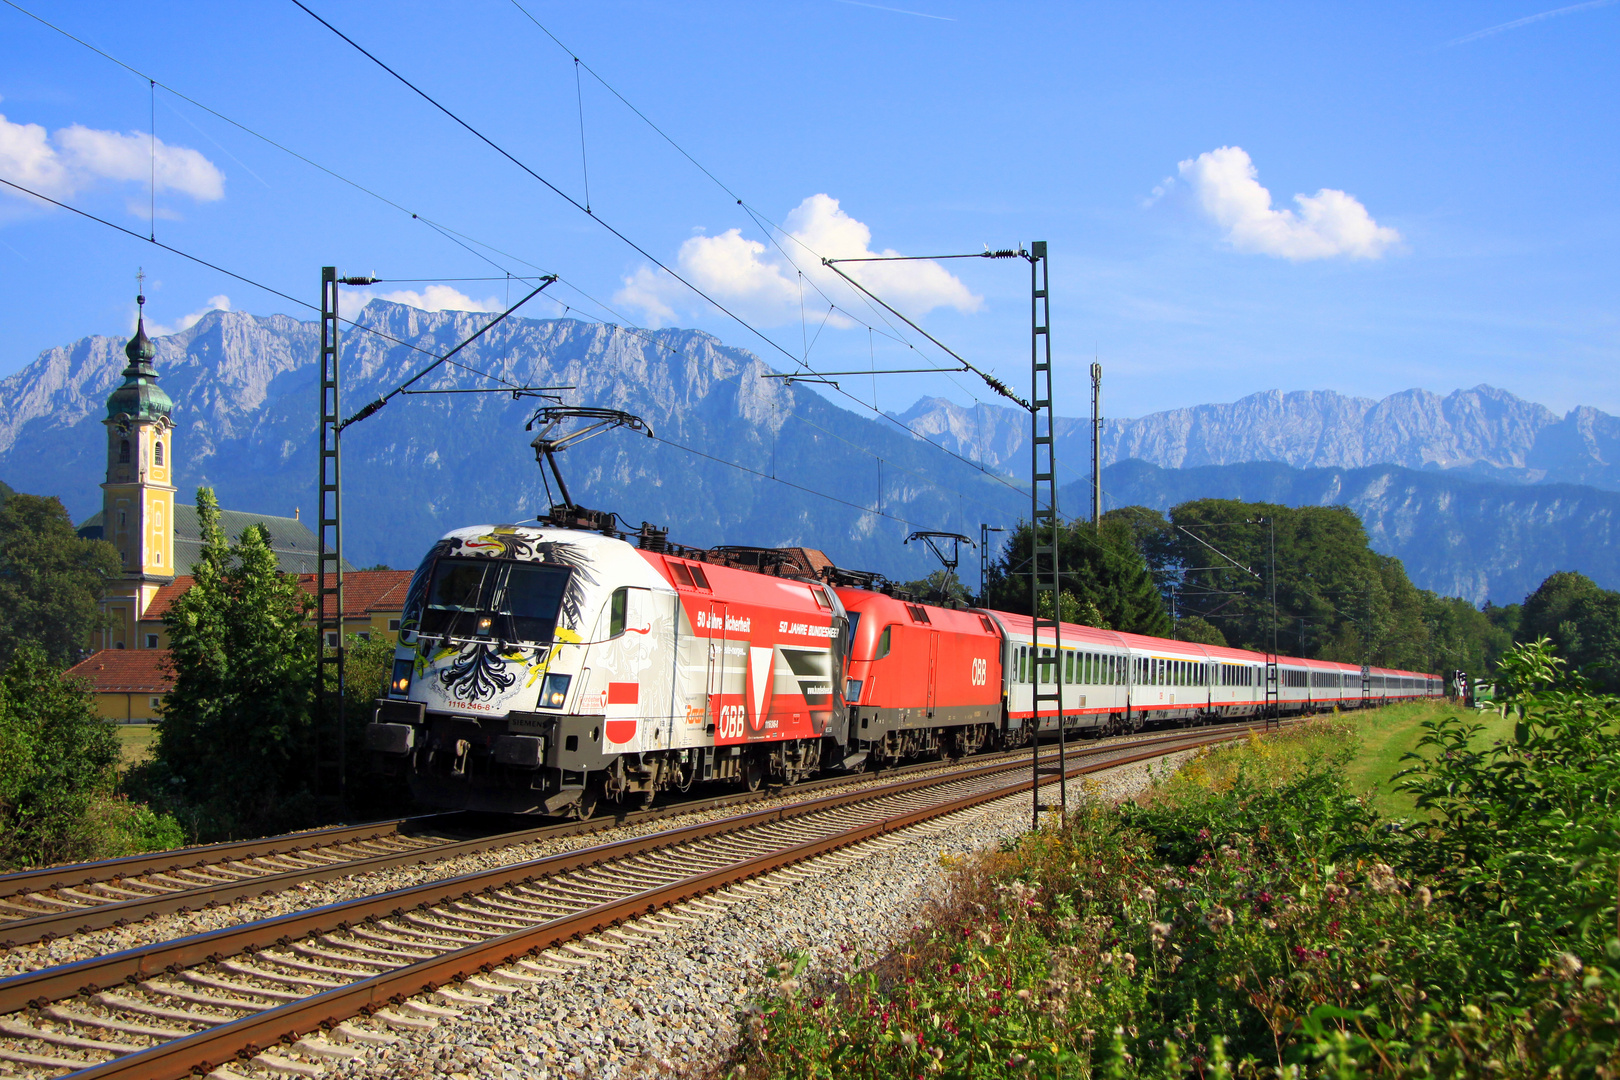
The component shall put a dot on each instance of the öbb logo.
(731, 722)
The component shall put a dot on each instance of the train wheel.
(753, 772)
(590, 800)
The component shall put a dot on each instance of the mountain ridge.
(1484, 431)
(245, 392)
(1478, 515)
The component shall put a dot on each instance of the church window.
(123, 518)
(157, 453)
(123, 452)
(157, 557)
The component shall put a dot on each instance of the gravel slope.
(673, 1001)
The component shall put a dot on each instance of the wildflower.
(1016, 1060)
(908, 1039)
(816, 1002)
(787, 986)
(956, 969)
(1128, 962)
(1424, 896)
(1161, 933)
(1146, 893)
(1220, 918)
(1023, 995)
(1569, 965)
(1382, 879)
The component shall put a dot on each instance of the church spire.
(140, 397)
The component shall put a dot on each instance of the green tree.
(933, 588)
(51, 579)
(1582, 621)
(1101, 570)
(57, 758)
(234, 743)
(1196, 629)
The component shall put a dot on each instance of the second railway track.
(172, 1008)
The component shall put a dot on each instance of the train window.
(681, 574)
(699, 578)
(989, 627)
(616, 611)
(821, 597)
(531, 596)
(1068, 665)
(885, 640)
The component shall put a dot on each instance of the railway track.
(330, 981)
(41, 905)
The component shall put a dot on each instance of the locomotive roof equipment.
(933, 539)
(550, 442)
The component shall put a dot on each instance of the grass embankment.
(135, 743)
(1373, 745)
(1385, 735)
(1256, 915)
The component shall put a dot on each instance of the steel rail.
(250, 1035)
(90, 873)
(88, 918)
(102, 972)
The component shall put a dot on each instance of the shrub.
(1257, 919)
(58, 769)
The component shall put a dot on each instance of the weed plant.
(1255, 917)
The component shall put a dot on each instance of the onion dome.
(140, 397)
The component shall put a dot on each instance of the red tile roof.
(364, 591)
(167, 595)
(126, 671)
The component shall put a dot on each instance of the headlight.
(554, 691)
(852, 690)
(400, 684)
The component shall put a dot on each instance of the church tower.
(137, 502)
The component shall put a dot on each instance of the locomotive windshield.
(494, 598)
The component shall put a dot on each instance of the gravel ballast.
(673, 1001)
(69, 948)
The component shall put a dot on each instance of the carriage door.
(727, 718)
(933, 669)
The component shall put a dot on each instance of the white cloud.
(757, 282)
(1225, 184)
(77, 157)
(216, 303)
(432, 298)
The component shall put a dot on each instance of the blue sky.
(1457, 166)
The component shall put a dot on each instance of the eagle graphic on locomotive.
(542, 668)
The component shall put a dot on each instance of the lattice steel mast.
(1044, 571)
